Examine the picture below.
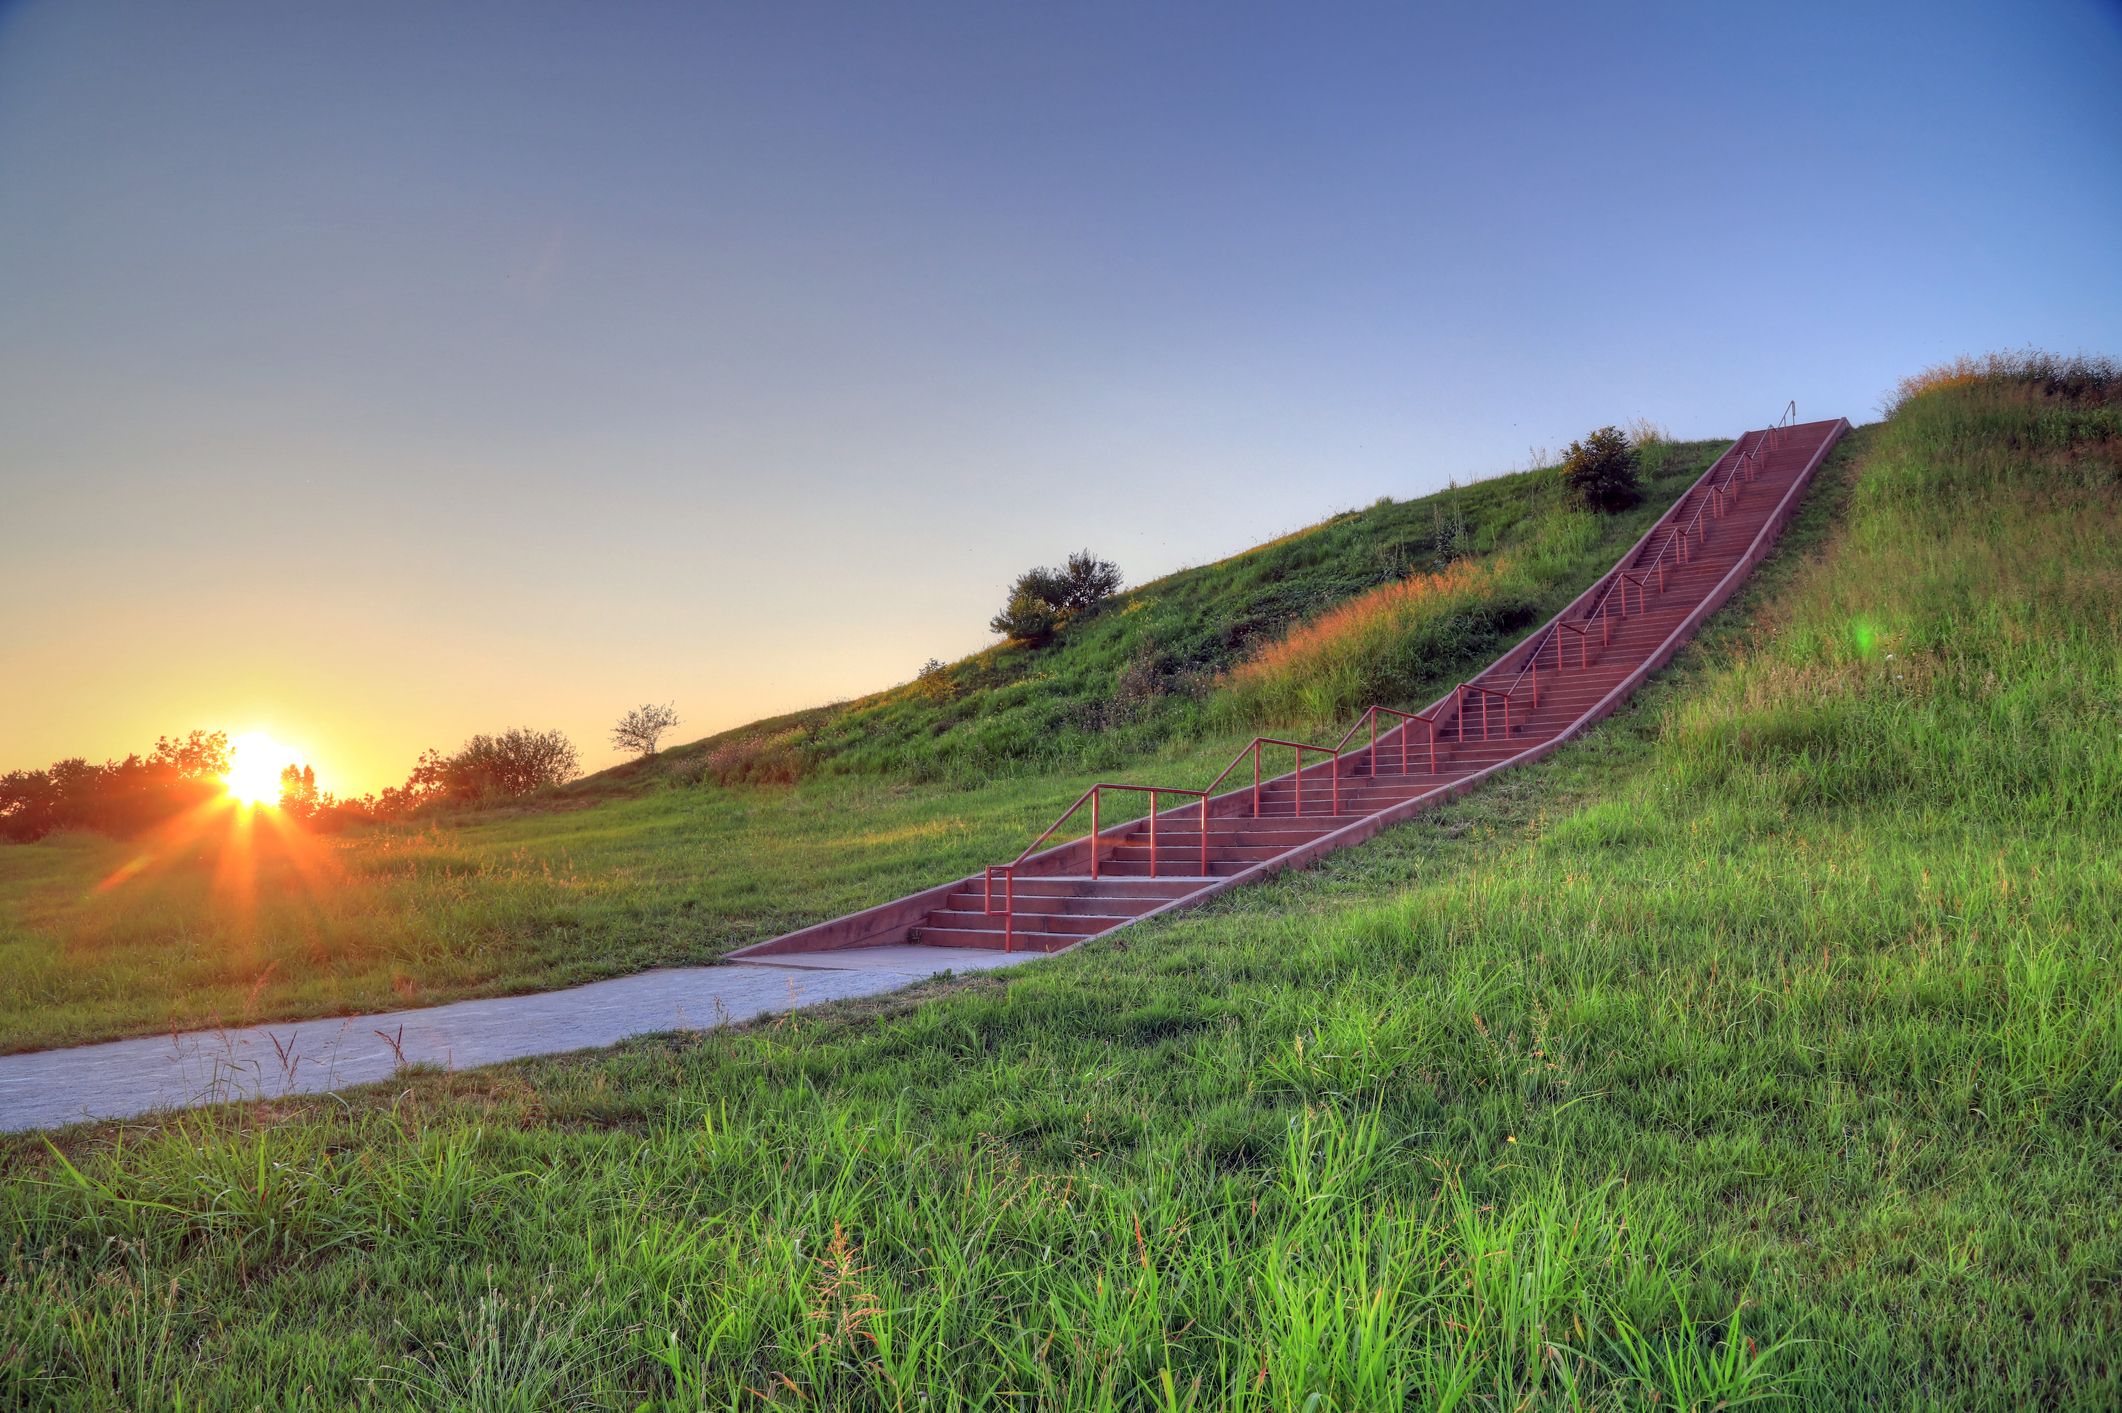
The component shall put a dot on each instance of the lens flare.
(255, 761)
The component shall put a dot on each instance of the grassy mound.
(1232, 644)
(1763, 1047)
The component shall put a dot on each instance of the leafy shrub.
(1029, 616)
(1601, 469)
(1043, 601)
(509, 765)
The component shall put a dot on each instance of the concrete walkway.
(124, 1078)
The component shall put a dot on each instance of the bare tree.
(640, 729)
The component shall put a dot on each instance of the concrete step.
(1104, 904)
(1087, 924)
(1170, 859)
(1022, 940)
(1139, 868)
(1275, 834)
(1076, 884)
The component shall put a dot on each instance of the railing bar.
(1153, 831)
(1094, 832)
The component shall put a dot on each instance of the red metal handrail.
(1370, 717)
(1093, 795)
(1300, 747)
(1486, 693)
(1720, 493)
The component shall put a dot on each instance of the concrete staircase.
(1552, 685)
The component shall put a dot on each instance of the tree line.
(182, 773)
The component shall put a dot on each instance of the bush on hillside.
(508, 766)
(1601, 469)
(1028, 617)
(1043, 601)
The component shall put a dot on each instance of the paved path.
(124, 1078)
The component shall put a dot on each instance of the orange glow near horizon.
(255, 761)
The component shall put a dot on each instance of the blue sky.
(380, 373)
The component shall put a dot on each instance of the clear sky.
(379, 373)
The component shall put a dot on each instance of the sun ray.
(168, 840)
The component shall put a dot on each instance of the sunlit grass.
(1309, 674)
(1383, 645)
(1762, 1049)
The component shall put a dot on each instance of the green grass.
(1762, 1048)
(232, 929)
(662, 862)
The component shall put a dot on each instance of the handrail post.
(1152, 831)
(1256, 777)
(1299, 752)
(1094, 792)
(1009, 910)
(1373, 715)
(1335, 766)
(1204, 833)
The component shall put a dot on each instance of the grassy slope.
(1142, 673)
(1764, 1043)
(654, 865)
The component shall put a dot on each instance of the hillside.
(1761, 1047)
(1154, 666)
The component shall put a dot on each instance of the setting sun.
(255, 760)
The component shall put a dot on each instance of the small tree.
(1043, 601)
(640, 729)
(1086, 581)
(1601, 469)
(1030, 615)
